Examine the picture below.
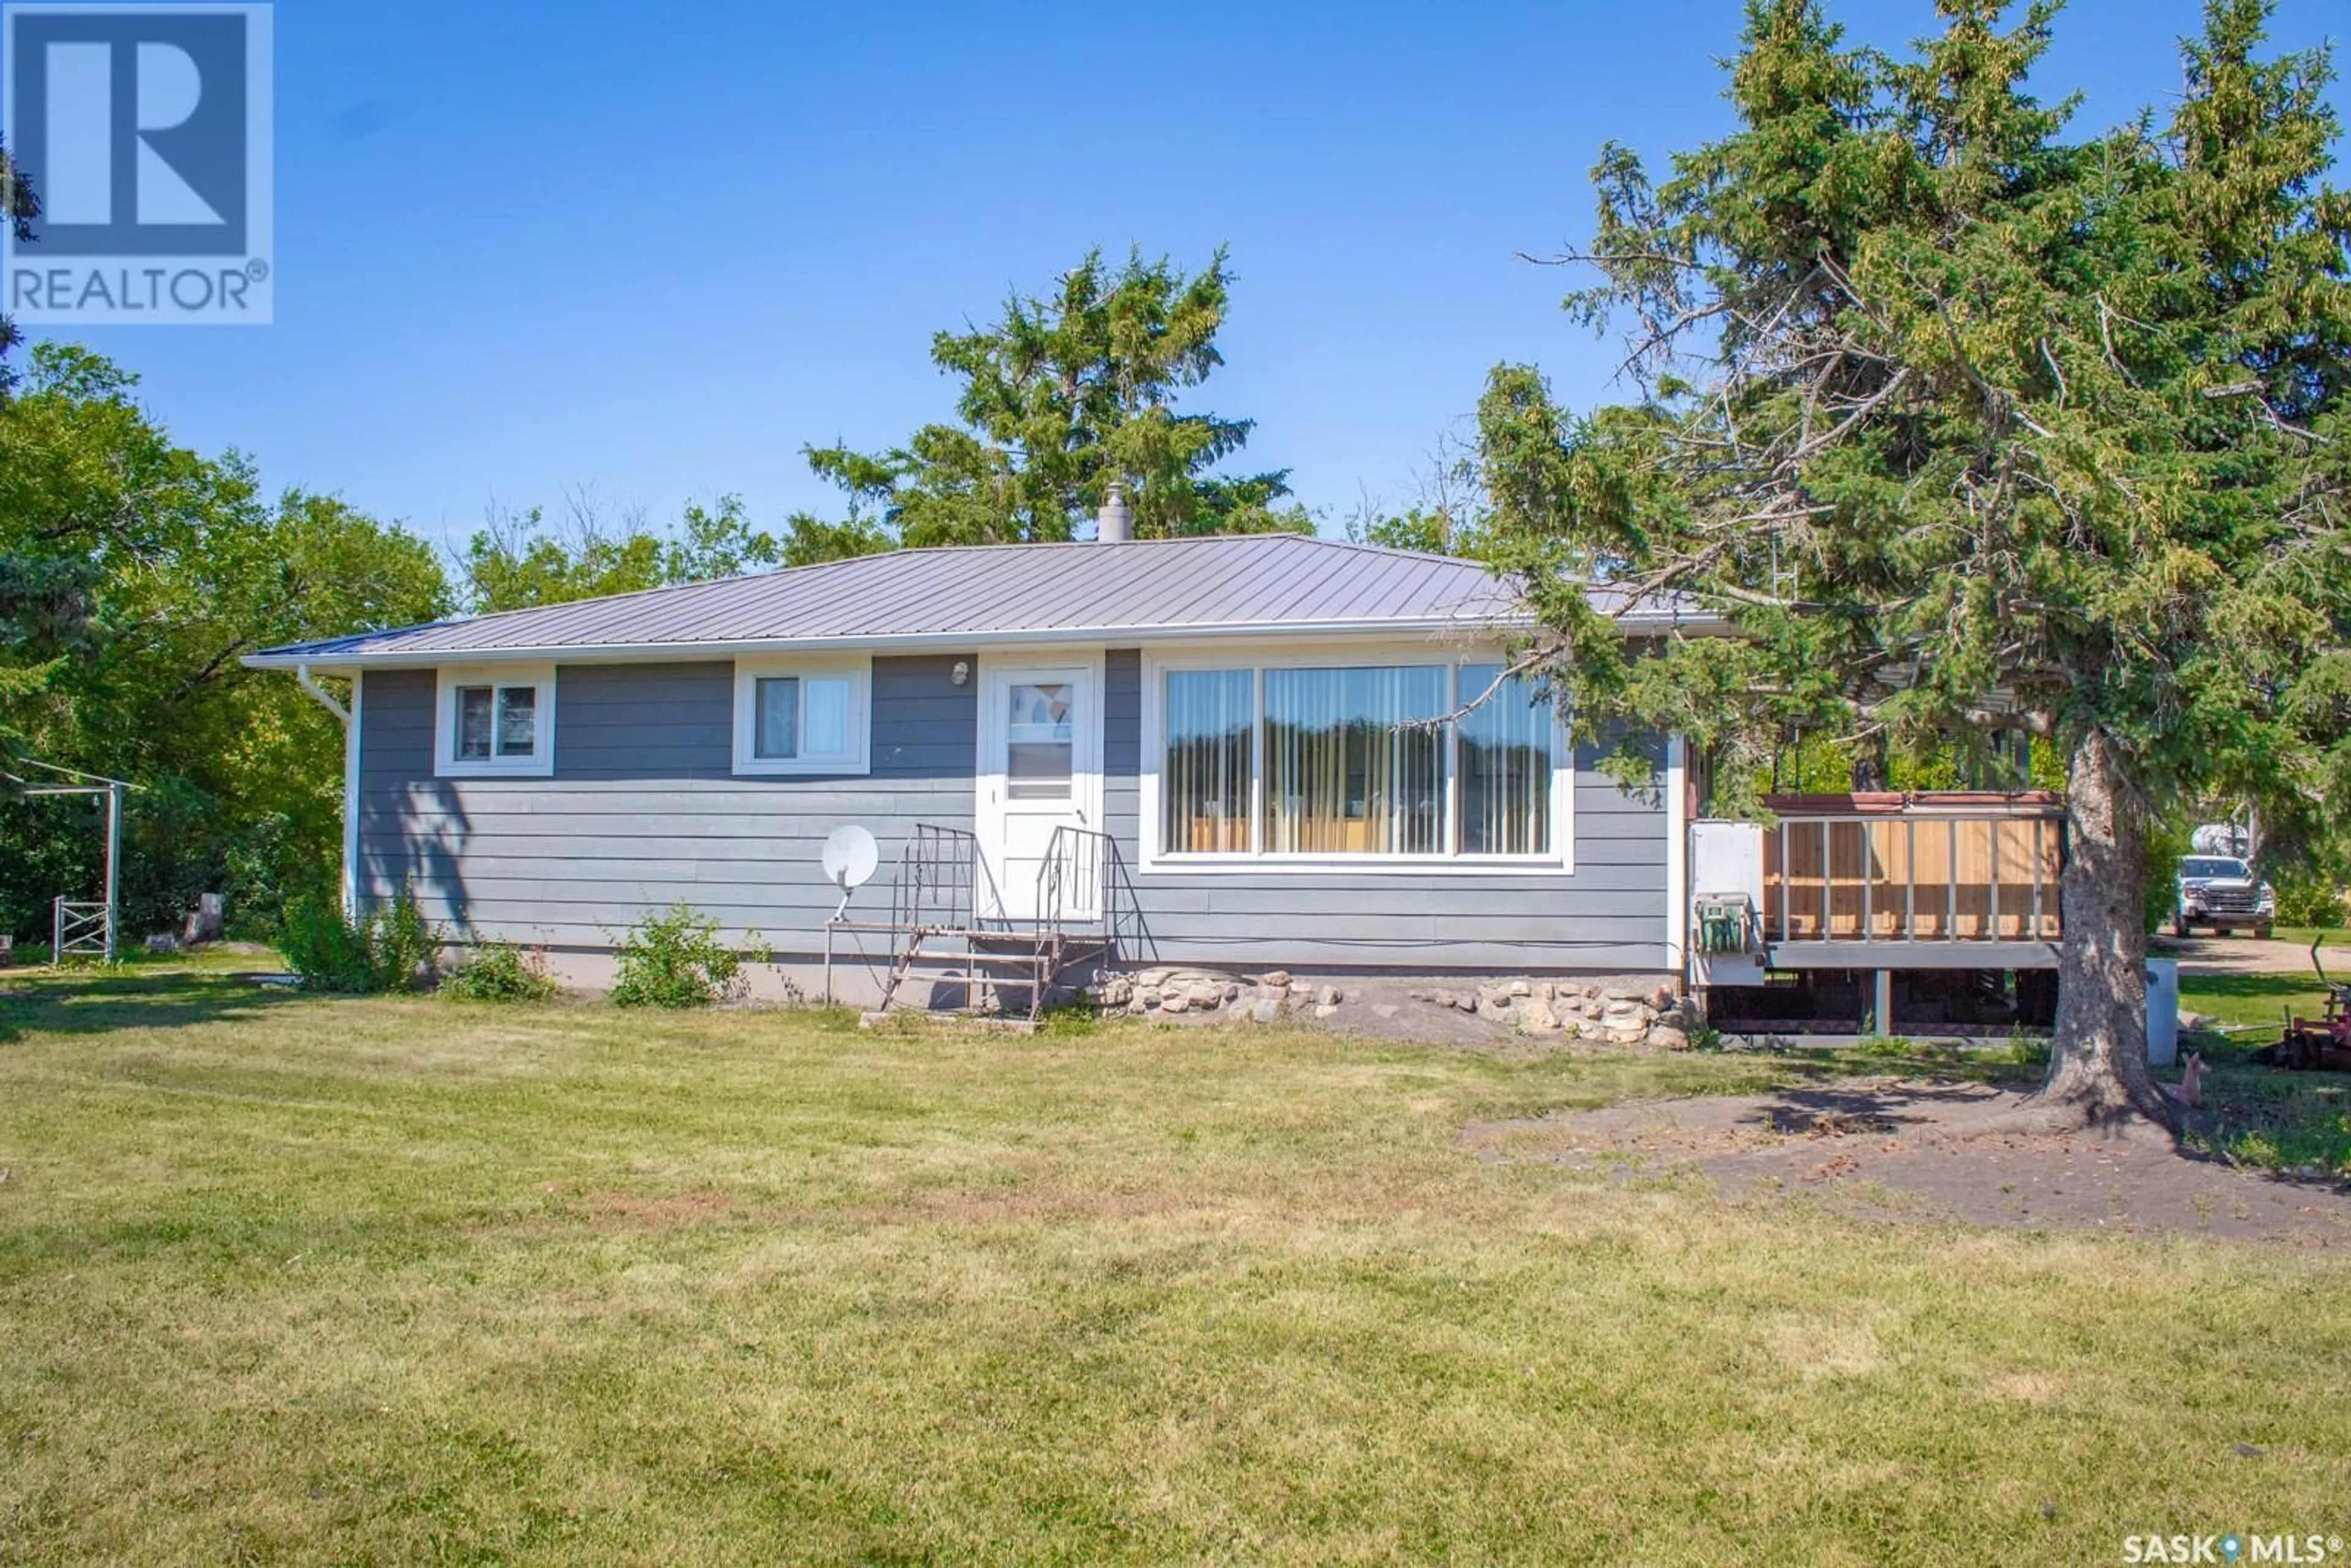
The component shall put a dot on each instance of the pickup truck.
(2221, 892)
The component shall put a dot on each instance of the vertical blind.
(1346, 772)
(1356, 760)
(1505, 751)
(1210, 717)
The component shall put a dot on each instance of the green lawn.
(304, 1280)
(2255, 1004)
(2300, 935)
(2262, 1116)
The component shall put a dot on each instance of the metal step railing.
(945, 910)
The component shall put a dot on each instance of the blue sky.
(653, 250)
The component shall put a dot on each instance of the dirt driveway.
(2245, 956)
(1901, 1149)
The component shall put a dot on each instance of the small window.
(1040, 746)
(796, 717)
(495, 723)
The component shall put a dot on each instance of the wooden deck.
(1947, 881)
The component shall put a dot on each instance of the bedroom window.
(497, 722)
(801, 715)
(1359, 762)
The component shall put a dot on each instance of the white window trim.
(539, 764)
(1157, 859)
(749, 672)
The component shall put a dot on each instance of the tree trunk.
(2098, 1060)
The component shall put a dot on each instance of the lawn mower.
(2320, 1043)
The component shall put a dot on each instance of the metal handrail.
(944, 887)
(1077, 858)
(940, 873)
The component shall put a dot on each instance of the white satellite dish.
(850, 857)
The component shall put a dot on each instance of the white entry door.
(1039, 769)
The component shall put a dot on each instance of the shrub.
(501, 972)
(263, 870)
(2166, 844)
(674, 959)
(2308, 896)
(390, 948)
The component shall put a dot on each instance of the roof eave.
(334, 661)
(1432, 626)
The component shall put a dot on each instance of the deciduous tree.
(516, 560)
(134, 575)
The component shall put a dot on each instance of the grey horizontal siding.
(1608, 914)
(643, 810)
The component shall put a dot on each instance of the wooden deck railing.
(1910, 874)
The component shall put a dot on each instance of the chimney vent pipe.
(1115, 523)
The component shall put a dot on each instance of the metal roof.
(1268, 583)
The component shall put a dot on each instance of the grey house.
(1247, 752)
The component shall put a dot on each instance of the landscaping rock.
(1324, 1010)
(1521, 988)
(1625, 1023)
(1139, 1003)
(1152, 979)
(1265, 1010)
(1663, 1039)
(1535, 1016)
(1175, 1000)
(1275, 977)
(1661, 999)
(1331, 998)
(162, 942)
(1493, 1012)
(1208, 994)
(1115, 991)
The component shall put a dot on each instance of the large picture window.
(1354, 762)
(1358, 761)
